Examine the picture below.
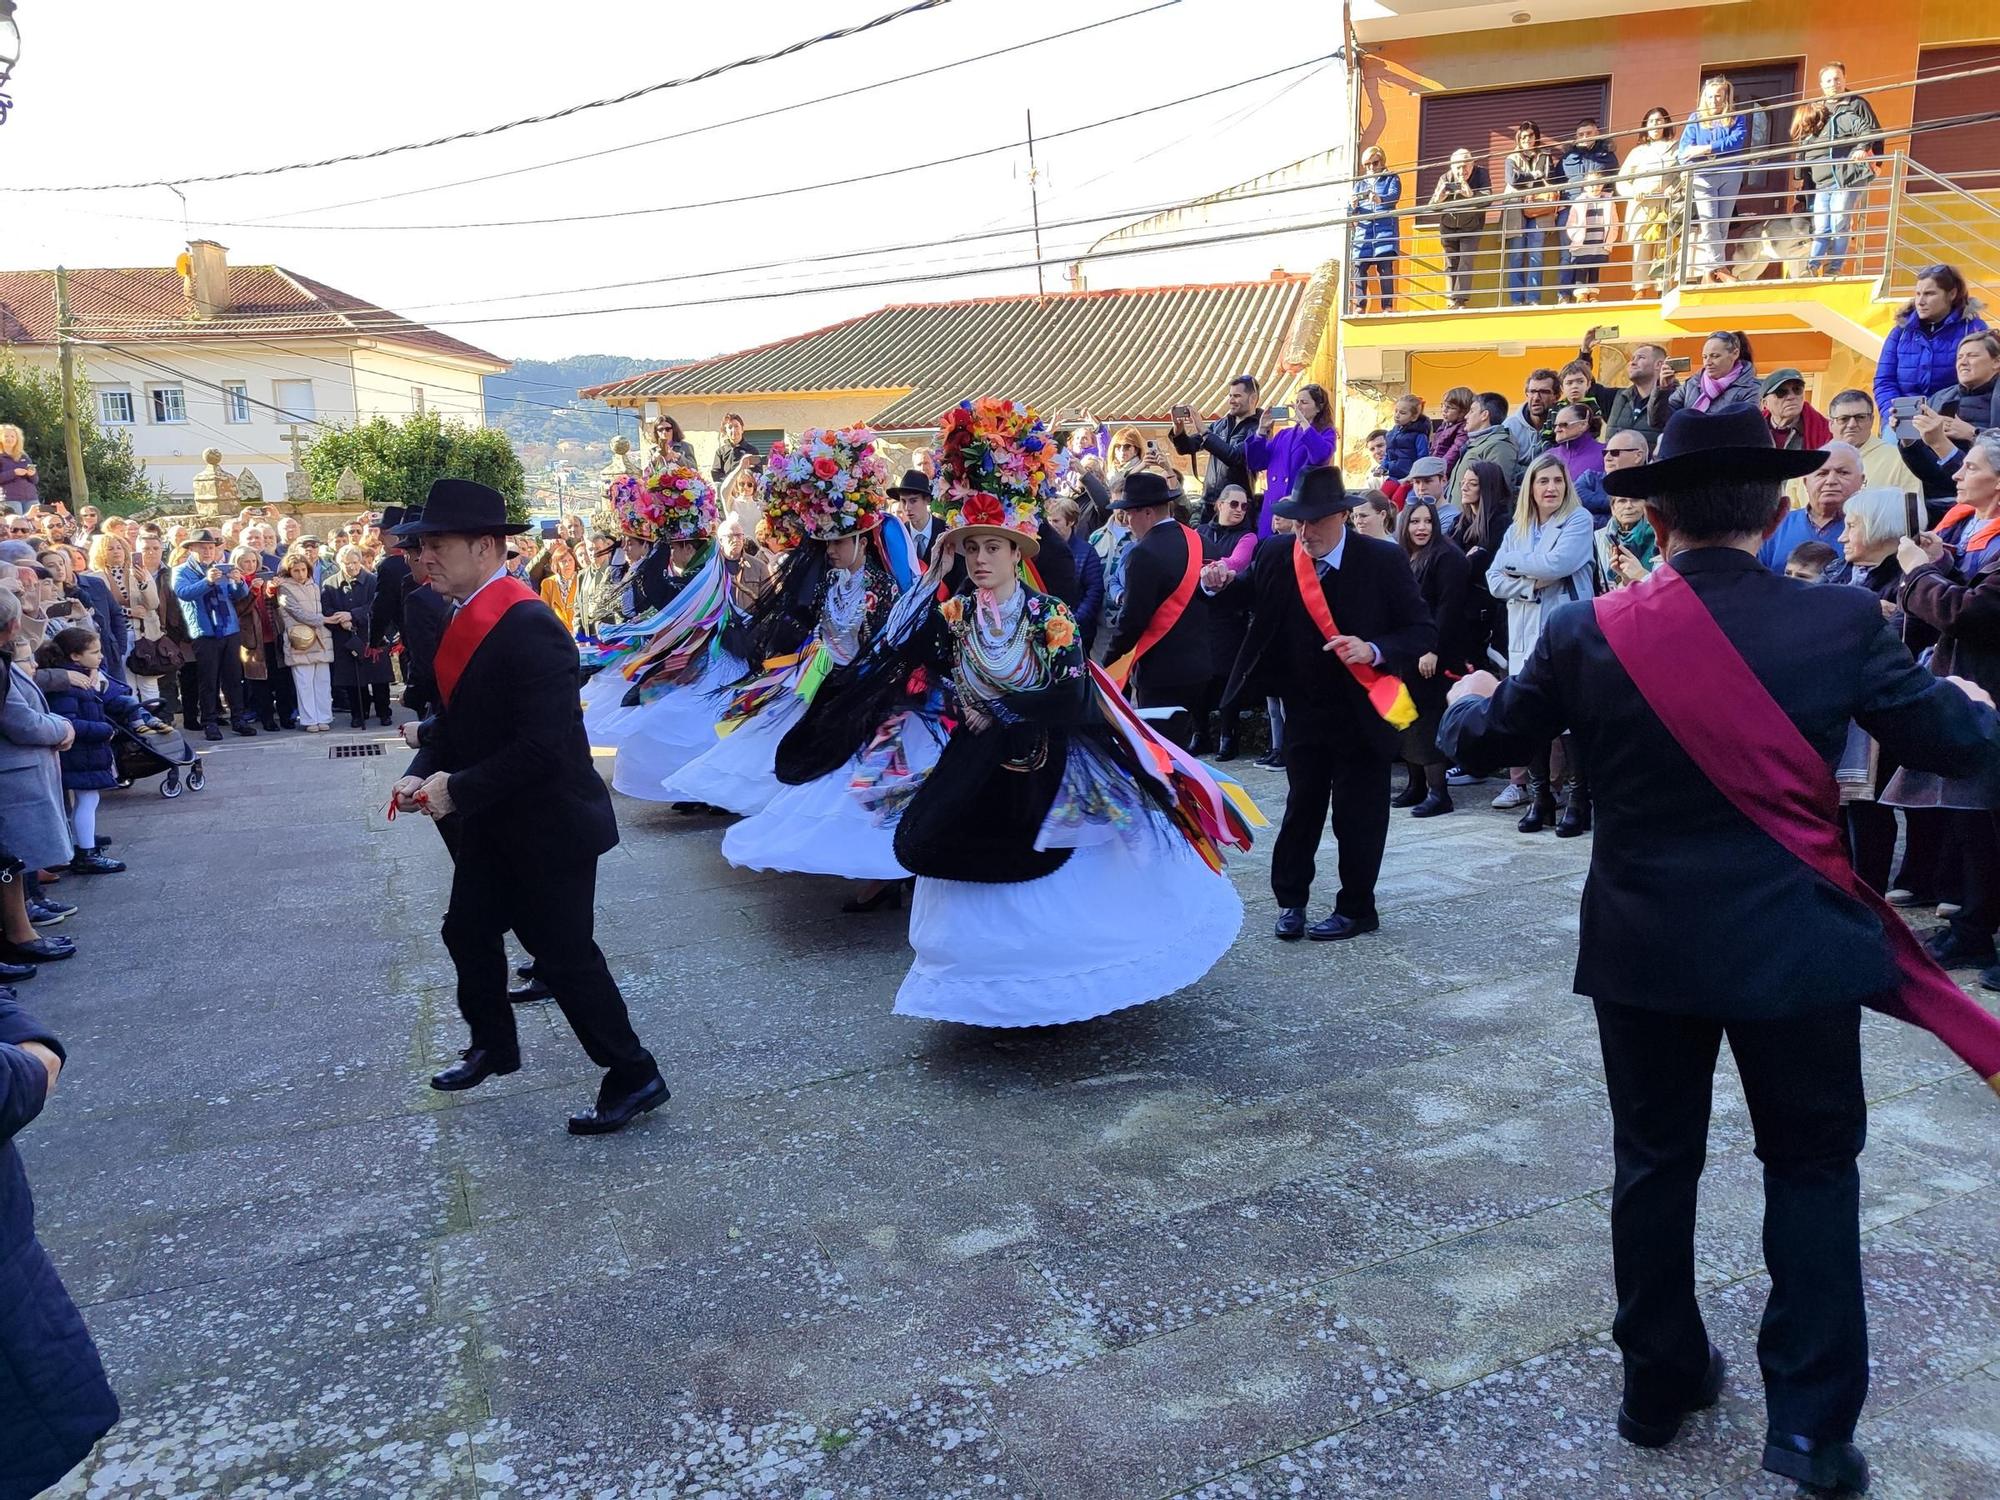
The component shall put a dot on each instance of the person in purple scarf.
(1283, 456)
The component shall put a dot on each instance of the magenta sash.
(1737, 736)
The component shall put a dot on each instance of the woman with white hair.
(360, 665)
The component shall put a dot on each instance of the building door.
(1767, 92)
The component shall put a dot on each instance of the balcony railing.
(1748, 219)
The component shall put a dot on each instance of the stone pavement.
(1331, 1223)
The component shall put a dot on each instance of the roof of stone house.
(1124, 354)
(148, 304)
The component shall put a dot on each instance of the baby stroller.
(141, 755)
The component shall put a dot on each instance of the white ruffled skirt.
(1071, 945)
(606, 720)
(738, 772)
(664, 735)
(821, 828)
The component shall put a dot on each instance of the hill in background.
(519, 403)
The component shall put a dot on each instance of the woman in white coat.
(1543, 562)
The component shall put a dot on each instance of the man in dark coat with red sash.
(1711, 703)
(507, 723)
(1163, 624)
(1336, 620)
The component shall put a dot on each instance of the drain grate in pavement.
(352, 752)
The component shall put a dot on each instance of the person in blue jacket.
(1373, 207)
(1920, 355)
(1715, 133)
(208, 587)
(90, 765)
(54, 1400)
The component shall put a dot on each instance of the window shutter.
(1968, 154)
(1483, 123)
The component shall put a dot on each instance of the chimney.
(207, 278)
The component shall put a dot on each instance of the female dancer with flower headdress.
(1054, 818)
(826, 503)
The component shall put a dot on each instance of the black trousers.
(219, 677)
(550, 905)
(1871, 846)
(1355, 791)
(284, 693)
(1148, 693)
(1802, 1080)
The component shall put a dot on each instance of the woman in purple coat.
(1283, 456)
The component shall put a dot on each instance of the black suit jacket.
(514, 726)
(1689, 908)
(1373, 595)
(392, 582)
(1153, 569)
(424, 613)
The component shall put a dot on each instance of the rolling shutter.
(1968, 154)
(1484, 122)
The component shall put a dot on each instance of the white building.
(207, 354)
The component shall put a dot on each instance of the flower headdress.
(996, 464)
(682, 503)
(833, 484)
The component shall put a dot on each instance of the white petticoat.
(821, 828)
(606, 720)
(738, 772)
(664, 735)
(1073, 944)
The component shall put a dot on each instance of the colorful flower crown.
(684, 502)
(996, 463)
(833, 484)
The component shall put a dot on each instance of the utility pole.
(79, 482)
(1035, 206)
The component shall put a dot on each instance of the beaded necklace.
(996, 654)
(844, 614)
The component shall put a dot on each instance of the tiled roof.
(1123, 355)
(146, 304)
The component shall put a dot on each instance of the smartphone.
(1913, 515)
(1183, 413)
(1607, 333)
(1902, 414)
(1279, 414)
(1680, 364)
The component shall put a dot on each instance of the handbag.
(301, 637)
(155, 658)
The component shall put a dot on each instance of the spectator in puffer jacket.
(1409, 439)
(54, 1400)
(90, 765)
(1919, 357)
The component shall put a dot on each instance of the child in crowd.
(1448, 434)
(88, 765)
(1409, 440)
(1590, 228)
(1809, 562)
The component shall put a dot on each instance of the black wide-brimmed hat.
(1142, 488)
(915, 482)
(1317, 494)
(1700, 448)
(462, 507)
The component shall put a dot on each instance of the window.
(1968, 154)
(295, 399)
(235, 401)
(417, 399)
(1483, 123)
(114, 405)
(169, 404)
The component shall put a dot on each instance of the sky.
(115, 91)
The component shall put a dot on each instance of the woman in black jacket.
(1444, 578)
(360, 664)
(1232, 537)
(1486, 510)
(1950, 419)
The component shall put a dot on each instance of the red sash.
(1738, 737)
(1167, 615)
(1386, 693)
(469, 627)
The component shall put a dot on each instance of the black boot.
(1226, 727)
(1437, 798)
(1413, 787)
(1575, 819)
(1198, 740)
(90, 862)
(1541, 805)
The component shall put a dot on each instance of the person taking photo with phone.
(1225, 441)
(208, 588)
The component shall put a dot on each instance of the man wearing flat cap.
(1711, 702)
(1336, 622)
(507, 723)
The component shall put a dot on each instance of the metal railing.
(1750, 218)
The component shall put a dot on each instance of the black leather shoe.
(530, 992)
(12, 973)
(1338, 928)
(41, 950)
(211, 733)
(474, 1067)
(525, 971)
(1820, 1468)
(1413, 792)
(1949, 951)
(1291, 924)
(1436, 805)
(246, 729)
(1658, 1430)
(1575, 819)
(1225, 748)
(608, 1115)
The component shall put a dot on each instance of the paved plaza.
(1331, 1223)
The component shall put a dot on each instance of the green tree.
(31, 399)
(396, 461)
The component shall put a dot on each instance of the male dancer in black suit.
(1163, 624)
(1699, 923)
(508, 722)
(1363, 611)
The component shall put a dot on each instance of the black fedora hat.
(1702, 447)
(1142, 488)
(914, 482)
(463, 507)
(1317, 495)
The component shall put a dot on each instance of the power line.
(717, 71)
(741, 198)
(762, 115)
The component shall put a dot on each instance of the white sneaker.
(1900, 897)
(1510, 797)
(1949, 908)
